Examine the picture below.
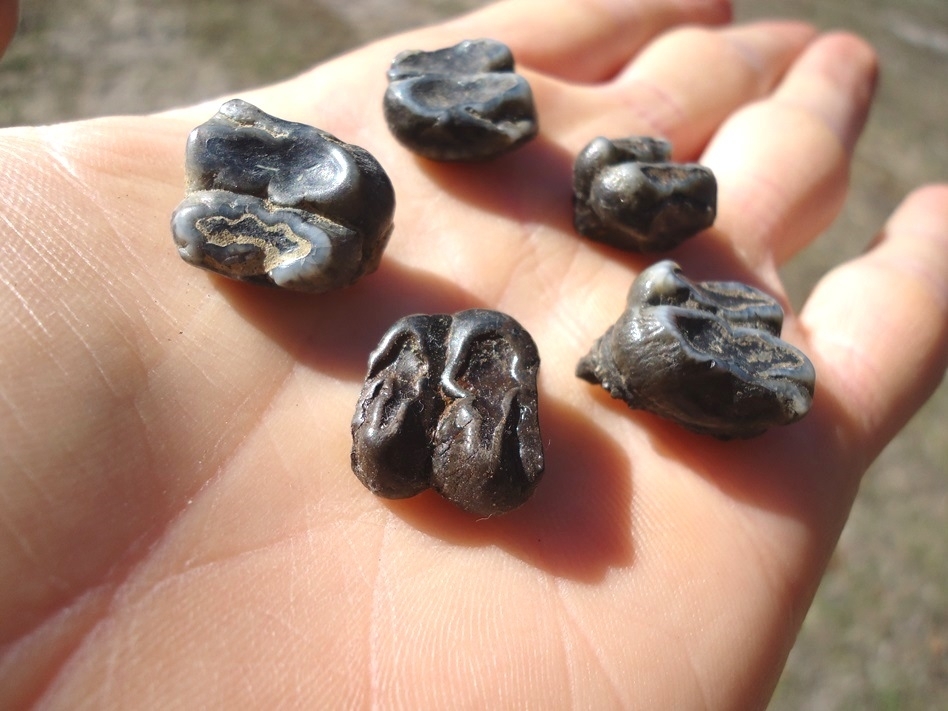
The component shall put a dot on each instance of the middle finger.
(782, 164)
(681, 87)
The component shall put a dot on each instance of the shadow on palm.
(577, 524)
(335, 332)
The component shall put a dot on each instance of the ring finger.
(680, 87)
(782, 164)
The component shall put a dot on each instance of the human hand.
(181, 524)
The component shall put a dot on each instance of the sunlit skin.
(180, 524)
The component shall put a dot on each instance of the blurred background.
(877, 635)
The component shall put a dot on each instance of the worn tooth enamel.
(707, 356)
(629, 194)
(450, 402)
(460, 103)
(281, 203)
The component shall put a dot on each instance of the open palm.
(180, 521)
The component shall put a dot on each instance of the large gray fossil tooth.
(281, 203)
(460, 103)
(627, 193)
(450, 402)
(707, 356)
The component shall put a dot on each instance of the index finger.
(585, 40)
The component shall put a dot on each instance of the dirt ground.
(877, 635)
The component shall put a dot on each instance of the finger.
(782, 164)
(877, 326)
(578, 40)
(683, 85)
(9, 14)
(583, 40)
(564, 38)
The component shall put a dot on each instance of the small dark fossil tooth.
(450, 401)
(461, 103)
(626, 193)
(707, 356)
(281, 203)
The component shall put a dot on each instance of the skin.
(180, 524)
